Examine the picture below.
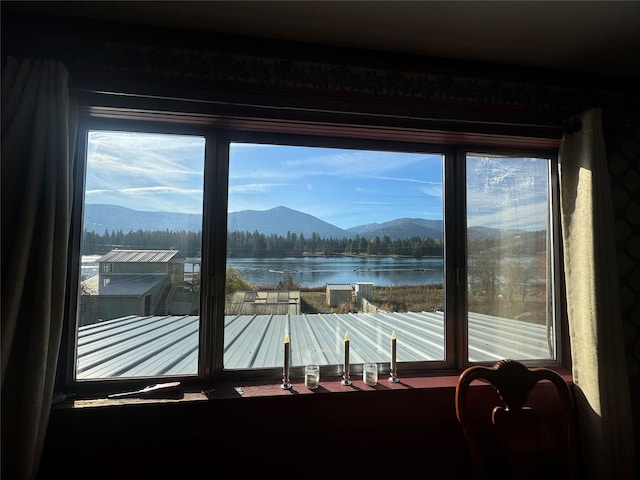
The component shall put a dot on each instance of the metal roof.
(141, 256)
(168, 345)
(278, 302)
(339, 286)
(126, 284)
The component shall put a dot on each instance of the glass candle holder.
(370, 373)
(312, 376)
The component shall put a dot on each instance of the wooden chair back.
(507, 437)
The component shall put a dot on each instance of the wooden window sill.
(270, 388)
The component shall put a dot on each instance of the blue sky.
(342, 187)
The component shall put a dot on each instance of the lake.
(318, 271)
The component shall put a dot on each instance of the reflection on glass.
(509, 258)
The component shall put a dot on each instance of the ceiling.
(578, 36)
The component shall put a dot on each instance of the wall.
(623, 154)
(231, 438)
(141, 267)
(354, 434)
(110, 307)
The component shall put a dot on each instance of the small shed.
(339, 293)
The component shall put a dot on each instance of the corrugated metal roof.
(141, 256)
(338, 286)
(168, 345)
(262, 309)
(278, 302)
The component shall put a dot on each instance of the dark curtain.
(39, 123)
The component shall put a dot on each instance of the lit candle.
(393, 353)
(287, 351)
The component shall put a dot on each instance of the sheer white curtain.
(38, 137)
(595, 323)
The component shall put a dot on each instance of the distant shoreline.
(347, 255)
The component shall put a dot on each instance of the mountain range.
(275, 221)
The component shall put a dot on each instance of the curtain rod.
(567, 126)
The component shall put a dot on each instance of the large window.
(202, 252)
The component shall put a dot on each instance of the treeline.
(258, 245)
(524, 243)
(508, 268)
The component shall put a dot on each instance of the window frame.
(226, 138)
(556, 274)
(213, 262)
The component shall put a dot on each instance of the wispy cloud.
(341, 186)
(524, 217)
(146, 171)
(357, 164)
(161, 189)
(254, 188)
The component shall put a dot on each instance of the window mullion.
(213, 256)
(455, 268)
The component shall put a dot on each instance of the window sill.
(255, 417)
(270, 389)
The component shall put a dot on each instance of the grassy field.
(412, 298)
(393, 299)
(314, 301)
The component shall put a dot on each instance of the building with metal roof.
(141, 256)
(135, 281)
(168, 344)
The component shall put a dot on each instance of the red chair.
(507, 436)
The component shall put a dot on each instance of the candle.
(393, 374)
(345, 378)
(346, 355)
(393, 353)
(285, 369)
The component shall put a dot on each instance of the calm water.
(318, 271)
